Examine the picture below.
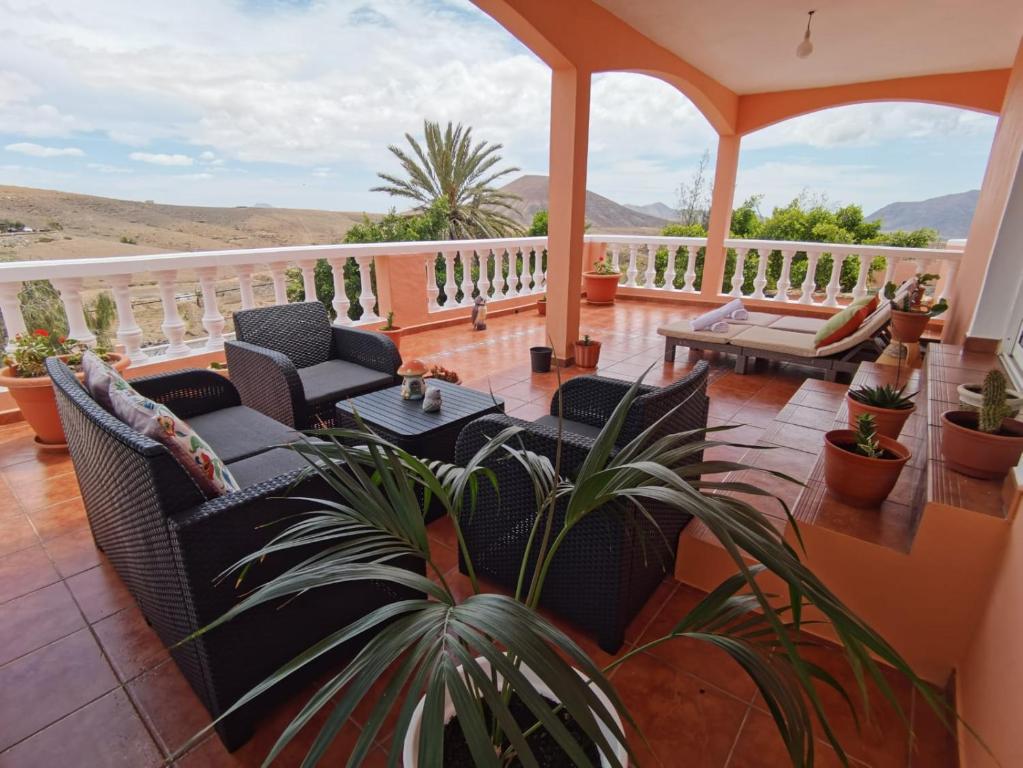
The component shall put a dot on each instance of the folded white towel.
(739, 314)
(707, 319)
(719, 327)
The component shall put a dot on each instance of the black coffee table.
(404, 423)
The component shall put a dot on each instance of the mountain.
(660, 210)
(601, 213)
(949, 214)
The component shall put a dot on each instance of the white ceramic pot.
(971, 401)
(410, 749)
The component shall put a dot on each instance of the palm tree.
(461, 174)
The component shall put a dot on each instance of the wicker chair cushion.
(301, 331)
(97, 378)
(188, 448)
(266, 465)
(575, 427)
(239, 432)
(338, 379)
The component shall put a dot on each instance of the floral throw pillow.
(98, 376)
(159, 422)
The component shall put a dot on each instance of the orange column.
(570, 128)
(725, 169)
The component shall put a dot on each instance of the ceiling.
(749, 45)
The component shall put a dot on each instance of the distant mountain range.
(949, 214)
(601, 213)
(660, 210)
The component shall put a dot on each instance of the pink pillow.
(98, 376)
(159, 422)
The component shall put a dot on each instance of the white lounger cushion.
(683, 330)
(773, 340)
(763, 319)
(798, 324)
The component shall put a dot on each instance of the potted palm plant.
(860, 466)
(985, 443)
(587, 352)
(390, 330)
(909, 315)
(491, 664)
(889, 406)
(601, 283)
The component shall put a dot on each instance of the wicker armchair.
(291, 364)
(169, 543)
(611, 563)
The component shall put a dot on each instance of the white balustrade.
(615, 252)
(367, 299)
(760, 281)
(432, 291)
(244, 274)
(173, 326)
(860, 289)
(689, 284)
(785, 276)
(485, 283)
(834, 284)
(279, 276)
(70, 290)
(212, 320)
(650, 276)
(669, 268)
(129, 334)
(539, 279)
(632, 271)
(889, 270)
(450, 286)
(514, 273)
(738, 276)
(465, 255)
(340, 302)
(498, 274)
(10, 309)
(810, 282)
(308, 269)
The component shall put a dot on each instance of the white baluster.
(834, 285)
(70, 289)
(467, 284)
(367, 299)
(308, 267)
(860, 289)
(128, 332)
(485, 283)
(340, 303)
(450, 286)
(498, 274)
(10, 309)
(173, 326)
(783, 278)
(538, 276)
(430, 263)
(244, 274)
(615, 264)
(738, 275)
(669, 269)
(514, 272)
(809, 284)
(889, 270)
(279, 275)
(632, 271)
(689, 286)
(650, 276)
(212, 320)
(760, 281)
(949, 279)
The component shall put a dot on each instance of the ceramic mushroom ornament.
(412, 383)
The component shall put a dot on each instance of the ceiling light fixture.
(805, 48)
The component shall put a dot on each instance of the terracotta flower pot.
(394, 334)
(908, 327)
(541, 308)
(979, 454)
(38, 404)
(587, 355)
(858, 480)
(888, 421)
(600, 289)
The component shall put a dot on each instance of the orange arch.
(981, 91)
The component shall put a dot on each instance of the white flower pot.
(410, 749)
(971, 401)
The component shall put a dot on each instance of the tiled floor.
(84, 682)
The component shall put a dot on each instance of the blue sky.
(293, 103)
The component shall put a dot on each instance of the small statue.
(479, 314)
(431, 400)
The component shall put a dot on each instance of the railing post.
(834, 284)
(483, 254)
(367, 300)
(466, 285)
(812, 257)
(308, 268)
(615, 252)
(212, 320)
(951, 267)
(783, 278)
(10, 309)
(70, 289)
(279, 275)
(632, 271)
(498, 273)
(669, 268)
(890, 262)
(514, 275)
(738, 276)
(760, 281)
(450, 286)
(689, 284)
(173, 326)
(244, 274)
(860, 289)
(537, 275)
(340, 303)
(432, 291)
(650, 276)
(128, 332)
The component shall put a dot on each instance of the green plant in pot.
(985, 443)
(587, 352)
(861, 466)
(486, 676)
(601, 282)
(889, 406)
(909, 315)
(392, 331)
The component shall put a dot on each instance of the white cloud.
(196, 176)
(161, 159)
(107, 168)
(210, 158)
(322, 172)
(781, 182)
(38, 150)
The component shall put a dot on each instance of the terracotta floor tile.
(17, 444)
(24, 571)
(73, 552)
(16, 532)
(99, 592)
(37, 619)
(35, 496)
(44, 686)
(60, 518)
(760, 745)
(107, 732)
(35, 472)
(754, 416)
(169, 705)
(131, 645)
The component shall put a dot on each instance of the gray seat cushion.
(576, 427)
(238, 432)
(265, 466)
(338, 379)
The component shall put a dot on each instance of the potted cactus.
(889, 406)
(860, 466)
(541, 306)
(985, 443)
(909, 315)
(587, 352)
(391, 331)
(601, 283)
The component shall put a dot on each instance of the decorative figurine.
(479, 314)
(431, 401)
(412, 384)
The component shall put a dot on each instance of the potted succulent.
(218, 367)
(541, 306)
(390, 330)
(487, 673)
(587, 352)
(985, 443)
(860, 466)
(889, 406)
(601, 283)
(25, 376)
(909, 315)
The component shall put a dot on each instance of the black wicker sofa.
(169, 543)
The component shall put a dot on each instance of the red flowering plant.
(31, 350)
